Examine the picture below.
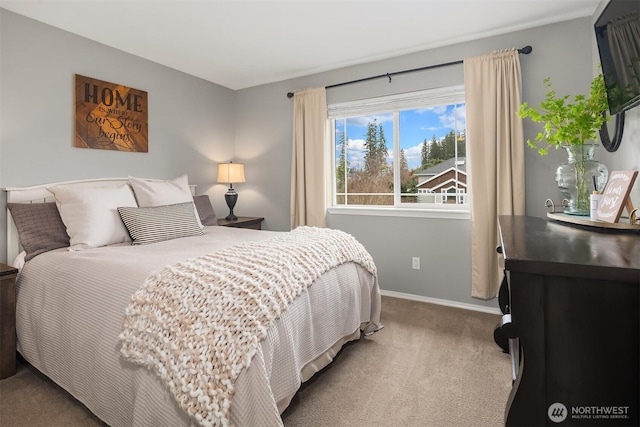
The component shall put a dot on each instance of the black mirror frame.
(612, 145)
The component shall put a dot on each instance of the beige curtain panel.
(308, 190)
(495, 147)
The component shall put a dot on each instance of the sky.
(415, 126)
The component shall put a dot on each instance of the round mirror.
(611, 144)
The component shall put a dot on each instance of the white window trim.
(404, 101)
(395, 211)
(425, 98)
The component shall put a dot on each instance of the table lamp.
(230, 173)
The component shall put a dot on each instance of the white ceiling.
(239, 44)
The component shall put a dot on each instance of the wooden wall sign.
(110, 116)
(615, 196)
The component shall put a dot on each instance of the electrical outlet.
(416, 263)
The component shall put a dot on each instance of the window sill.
(401, 212)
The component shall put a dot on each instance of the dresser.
(574, 298)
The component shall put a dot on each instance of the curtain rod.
(525, 50)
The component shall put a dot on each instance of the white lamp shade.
(230, 173)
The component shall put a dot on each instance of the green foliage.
(375, 158)
(424, 152)
(343, 165)
(377, 175)
(435, 152)
(566, 122)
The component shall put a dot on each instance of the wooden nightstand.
(7, 320)
(243, 222)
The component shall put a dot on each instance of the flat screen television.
(618, 37)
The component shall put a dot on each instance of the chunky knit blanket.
(197, 324)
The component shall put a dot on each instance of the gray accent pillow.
(205, 210)
(158, 223)
(40, 227)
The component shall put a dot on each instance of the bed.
(76, 315)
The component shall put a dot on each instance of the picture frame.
(109, 116)
(615, 196)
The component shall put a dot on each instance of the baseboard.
(439, 301)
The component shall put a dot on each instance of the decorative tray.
(629, 226)
(586, 221)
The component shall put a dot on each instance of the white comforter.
(70, 311)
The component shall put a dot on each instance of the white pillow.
(160, 193)
(91, 214)
(19, 261)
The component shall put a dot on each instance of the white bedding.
(70, 310)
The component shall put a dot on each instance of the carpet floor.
(430, 366)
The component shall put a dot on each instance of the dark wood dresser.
(574, 297)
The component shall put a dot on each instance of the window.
(405, 150)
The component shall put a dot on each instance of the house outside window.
(402, 151)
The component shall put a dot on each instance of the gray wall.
(563, 52)
(191, 121)
(194, 124)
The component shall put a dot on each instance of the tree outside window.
(430, 146)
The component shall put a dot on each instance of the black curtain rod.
(525, 50)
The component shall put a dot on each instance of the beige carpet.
(430, 366)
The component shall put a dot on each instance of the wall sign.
(615, 196)
(110, 116)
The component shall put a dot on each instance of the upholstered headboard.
(40, 194)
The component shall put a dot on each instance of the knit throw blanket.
(198, 323)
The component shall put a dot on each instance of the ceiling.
(239, 44)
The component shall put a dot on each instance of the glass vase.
(579, 176)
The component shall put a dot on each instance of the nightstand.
(243, 222)
(7, 320)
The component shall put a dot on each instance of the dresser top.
(537, 245)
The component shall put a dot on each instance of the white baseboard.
(439, 301)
